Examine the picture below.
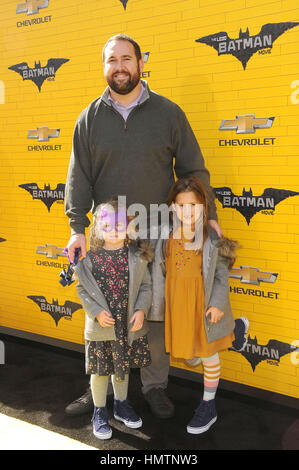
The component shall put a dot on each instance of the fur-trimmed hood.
(227, 248)
(143, 248)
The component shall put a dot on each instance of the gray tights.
(99, 386)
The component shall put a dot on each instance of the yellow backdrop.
(233, 68)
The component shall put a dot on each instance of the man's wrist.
(77, 230)
(78, 235)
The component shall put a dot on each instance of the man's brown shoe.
(159, 403)
(81, 405)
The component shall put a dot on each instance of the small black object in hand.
(66, 276)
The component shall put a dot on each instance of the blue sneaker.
(193, 362)
(240, 332)
(101, 428)
(124, 412)
(205, 415)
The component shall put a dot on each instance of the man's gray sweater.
(112, 157)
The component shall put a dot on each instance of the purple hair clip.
(104, 213)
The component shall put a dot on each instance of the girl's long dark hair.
(187, 184)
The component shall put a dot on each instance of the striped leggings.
(211, 374)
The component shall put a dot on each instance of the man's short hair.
(123, 37)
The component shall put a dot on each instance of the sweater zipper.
(125, 122)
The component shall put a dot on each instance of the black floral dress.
(111, 272)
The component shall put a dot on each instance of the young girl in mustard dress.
(198, 318)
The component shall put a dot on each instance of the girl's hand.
(215, 313)
(105, 319)
(214, 224)
(137, 320)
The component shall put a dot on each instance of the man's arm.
(78, 189)
(188, 157)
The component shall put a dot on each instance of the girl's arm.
(144, 298)
(91, 307)
(220, 291)
(137, 320)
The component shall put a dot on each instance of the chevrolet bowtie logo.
(42, 134)
(52, 251)
(32, 6)
(246, 124)
(250, 275)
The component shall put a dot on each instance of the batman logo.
(2, 240)
(124, 3)
(245, 46)
(38, 74)
(47, 195)
(55, 310)
(255, 353)
(249, 205)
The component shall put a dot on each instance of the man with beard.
(124, 143)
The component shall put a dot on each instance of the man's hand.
(76, 241)
(214, 225)
(105, 319)
(137, 320)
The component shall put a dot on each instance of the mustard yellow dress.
(185, 335)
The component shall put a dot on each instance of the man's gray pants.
(156, 374)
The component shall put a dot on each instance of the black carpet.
(38, 381)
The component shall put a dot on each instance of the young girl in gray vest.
(193, 291)
(115, 289)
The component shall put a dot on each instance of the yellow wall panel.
(210, 88)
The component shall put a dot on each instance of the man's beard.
(127, 86)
